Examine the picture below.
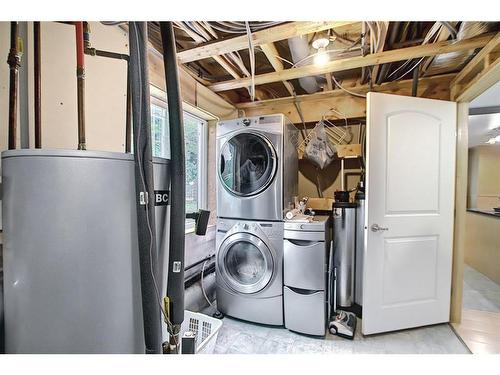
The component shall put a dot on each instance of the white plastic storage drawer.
(305, 313)
(304, 264)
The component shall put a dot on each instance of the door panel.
(406, 260)
(404, 154)
(410, 196)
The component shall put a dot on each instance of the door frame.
(486, 65)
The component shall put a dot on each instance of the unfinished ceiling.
(262, 63)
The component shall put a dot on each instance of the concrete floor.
(480, 293)
(238, 337)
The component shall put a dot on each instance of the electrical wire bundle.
(240, 27)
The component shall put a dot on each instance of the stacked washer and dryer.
(257, 181)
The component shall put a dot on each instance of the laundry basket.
(205, 329)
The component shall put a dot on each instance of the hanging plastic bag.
(319, 149)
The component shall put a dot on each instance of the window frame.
(158, 98)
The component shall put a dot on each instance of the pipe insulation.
(299, 48)
(139, 87)
(175, 281)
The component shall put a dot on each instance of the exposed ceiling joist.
(387, 87)
(228, 68)
(313, 106)
(358, 62)
(479, 60)
(272, 54)
(444, 34)
(265, 36)
(383, 37)
(480, 83)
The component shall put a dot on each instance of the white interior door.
(410, 197)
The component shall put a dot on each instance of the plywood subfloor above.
(480, 331)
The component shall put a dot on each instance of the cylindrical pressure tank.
(71, 262)
(360, 246)
(344, 229)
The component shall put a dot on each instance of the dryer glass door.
(245, 263)
(247, 164)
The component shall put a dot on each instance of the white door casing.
(410, 191)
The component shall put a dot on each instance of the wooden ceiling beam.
(359, 61)
(388, 87)
(265, 36)
(480, 83)
(480, 59)
(313, 106)
(227, 67)
(383, 37)
(272, 54)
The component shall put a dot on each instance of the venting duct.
(299, 48)
(450, 61)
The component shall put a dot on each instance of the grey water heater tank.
(71, 264)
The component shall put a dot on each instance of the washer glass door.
(245, 263)
(247, 164)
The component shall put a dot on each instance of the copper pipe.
(89, 50)
(14, 61)
(38, 84)
(80, 74)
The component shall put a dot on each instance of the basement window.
(195, 143)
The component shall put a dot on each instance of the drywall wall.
(105, 94)
(481, 250)
(192, 91)
(484, 177)
(105, 87)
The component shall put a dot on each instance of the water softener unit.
(360, 245)
(344, 224)
(343, 322)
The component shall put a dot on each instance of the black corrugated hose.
(175, 283)
(139, 85)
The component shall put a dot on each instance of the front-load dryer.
(257, 167)
(249, 273)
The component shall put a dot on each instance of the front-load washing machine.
(257, 167)
(249, 274)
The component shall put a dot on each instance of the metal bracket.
(176, 267)
(143, 198)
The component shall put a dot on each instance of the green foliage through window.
(193, 131)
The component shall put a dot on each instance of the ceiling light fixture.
(320, 43)
(321, 58)
(491, 141)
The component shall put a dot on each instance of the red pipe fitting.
(80, 50)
